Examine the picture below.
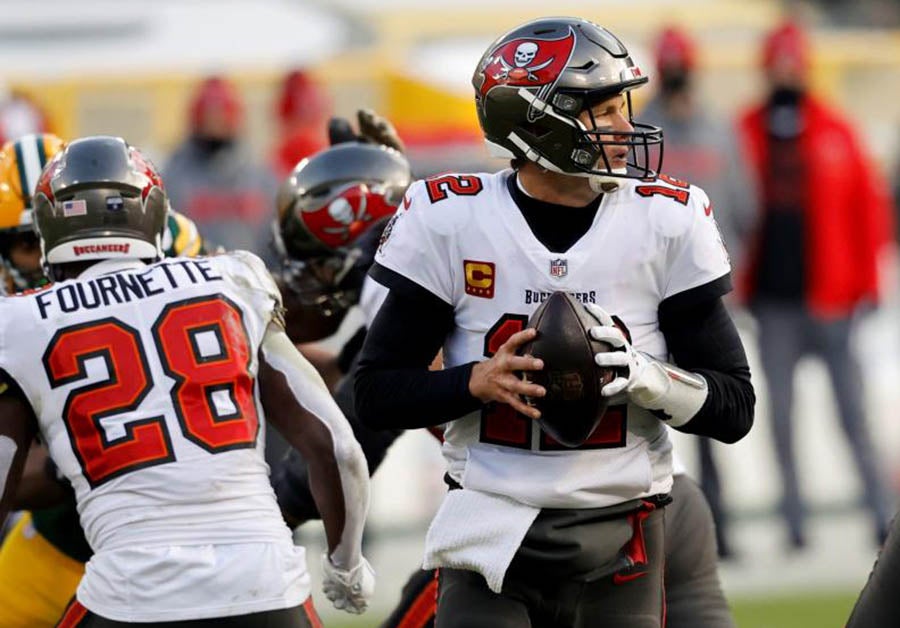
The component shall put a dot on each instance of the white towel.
(478, 532)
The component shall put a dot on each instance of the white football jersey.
(143, 379)
(462, 238)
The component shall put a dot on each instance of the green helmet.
(533, 82)
(99, 199)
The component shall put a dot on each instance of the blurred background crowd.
(787, 113)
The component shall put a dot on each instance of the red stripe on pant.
(75, 612)
(423, 608)
(311, 613)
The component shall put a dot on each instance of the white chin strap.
(603, 183)
(599, 183)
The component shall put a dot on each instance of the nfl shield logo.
(558, 267)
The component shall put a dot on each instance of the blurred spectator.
(823, 222)
(214, 180)
(700, 149)
(19, 115)
(302, 109)
(896, 184)
(856, 13)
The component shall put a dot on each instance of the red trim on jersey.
(73, 616)
(424, 607)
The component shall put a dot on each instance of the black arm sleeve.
(350, 350)
(702, 338)
(393, 386)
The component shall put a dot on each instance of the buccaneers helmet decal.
(143, 166)
(528, 62)
(345, 216)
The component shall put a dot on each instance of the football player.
(42, 559)
(148, 381)
(531, 532)
(21, 162)
(306, 239)
(331, 210)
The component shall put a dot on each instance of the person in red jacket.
(302, 108)
(823, 222)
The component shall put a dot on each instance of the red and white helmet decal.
(50, 170)
(344, 217)
(528, 62)
(146, 169)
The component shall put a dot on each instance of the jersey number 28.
(200, 377)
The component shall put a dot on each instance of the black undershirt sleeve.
(393, 386)
(350, 349)
(702, 339)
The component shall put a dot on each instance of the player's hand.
(498, 379)
(373, 129)
(630, 364)
(348, 589)
(378, 130)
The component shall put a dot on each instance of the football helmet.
(533, 82)
(325, 206)
(99, 198)
(21, 163)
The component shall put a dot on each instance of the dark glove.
(373, 129)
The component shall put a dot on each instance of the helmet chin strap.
(601, 183)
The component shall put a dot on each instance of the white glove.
(675, 394)
(348, 589)
(633, 362)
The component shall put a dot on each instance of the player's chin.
(617, 166)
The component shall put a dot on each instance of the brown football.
(573, 406)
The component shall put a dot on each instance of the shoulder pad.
(250, 271)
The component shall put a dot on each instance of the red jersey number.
(459, 184)
(676, 194)
(146, 441)
(201, 377)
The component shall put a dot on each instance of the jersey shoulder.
(246, 269)
(444, 203)
(669, 191)
(672, 204)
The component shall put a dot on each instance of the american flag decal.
(74, 208)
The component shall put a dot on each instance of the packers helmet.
(21, 163)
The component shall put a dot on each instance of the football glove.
(672, 394)
(373, 129)
(348, 589)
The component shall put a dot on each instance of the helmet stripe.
(42, 150)
(29, 155)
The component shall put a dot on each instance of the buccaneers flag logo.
(527, 62)
(342, 219)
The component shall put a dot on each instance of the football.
(573, 406)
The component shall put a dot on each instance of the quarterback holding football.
(534, 531)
